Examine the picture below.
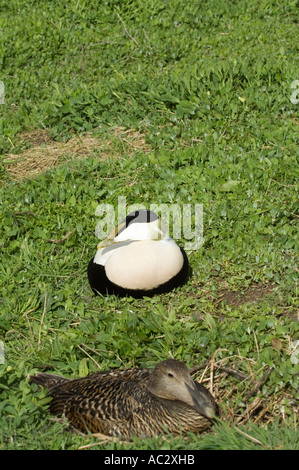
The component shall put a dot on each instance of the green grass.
(209, 85)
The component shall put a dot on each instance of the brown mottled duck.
(132, 402)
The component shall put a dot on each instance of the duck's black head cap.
(141, 216)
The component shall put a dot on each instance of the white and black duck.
(138, 259)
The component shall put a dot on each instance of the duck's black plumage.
(133, 402)
(138, 259)
(100, 283)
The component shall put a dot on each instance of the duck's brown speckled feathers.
(124, 403)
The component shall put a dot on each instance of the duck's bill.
(110, 240)
(201, 403)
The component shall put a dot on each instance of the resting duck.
(138, 259)
(132, 402)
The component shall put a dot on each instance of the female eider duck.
(132, 402)
(138, 259)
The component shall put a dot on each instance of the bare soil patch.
(253, 293)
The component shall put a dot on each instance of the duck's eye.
(170, 374)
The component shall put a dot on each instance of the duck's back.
(100, 402)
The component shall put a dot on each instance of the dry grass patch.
(238, 393)
(45, 153)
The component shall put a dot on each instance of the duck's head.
(171, 380)
(138, 225)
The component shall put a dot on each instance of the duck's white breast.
(144, 264)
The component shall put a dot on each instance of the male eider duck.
(138, 259)
(132, 402)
